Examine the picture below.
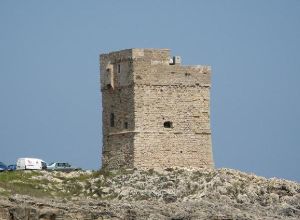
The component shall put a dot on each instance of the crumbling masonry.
(156, 112)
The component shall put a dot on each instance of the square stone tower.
(155, 111)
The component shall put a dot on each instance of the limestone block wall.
(146, 73)
(118, 139)
(160, 150)
(118, 109)
(187, 142)
(119, 151)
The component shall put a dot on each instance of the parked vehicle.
(31, 164)
(61, 166)
(3, 167)
(12, 167)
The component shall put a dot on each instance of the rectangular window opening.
(119, 68)
(168, 124)
(112, 120)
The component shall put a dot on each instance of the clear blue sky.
(50, 105)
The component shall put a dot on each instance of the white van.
(31, 164)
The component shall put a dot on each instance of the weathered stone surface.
(155, 115)
(169, 194)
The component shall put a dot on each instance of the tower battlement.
(156, 111)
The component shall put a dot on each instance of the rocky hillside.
(131, 194)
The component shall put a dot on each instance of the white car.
(61, 166)
(31, 164)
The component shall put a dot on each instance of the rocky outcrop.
(170, 194)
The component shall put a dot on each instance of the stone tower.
(155, 111)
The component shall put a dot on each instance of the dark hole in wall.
(168, 124)
(119, 68)
(112, 120)
(126, 125)
(108, 86)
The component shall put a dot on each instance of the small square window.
(168, 124)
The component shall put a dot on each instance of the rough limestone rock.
(174, 194)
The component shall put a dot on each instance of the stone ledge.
(204, 131)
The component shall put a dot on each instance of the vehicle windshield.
(2, 164)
